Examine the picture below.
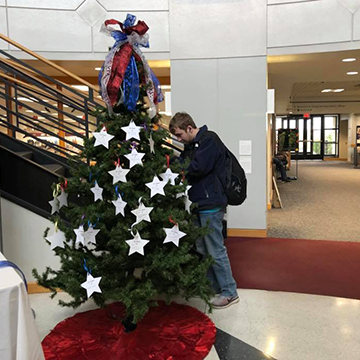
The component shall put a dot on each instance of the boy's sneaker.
(222, 302)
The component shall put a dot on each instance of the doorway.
(318, 135)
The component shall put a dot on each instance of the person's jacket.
(206, 171)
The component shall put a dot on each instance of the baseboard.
(262, 233)
(335, 159)
(34, 288)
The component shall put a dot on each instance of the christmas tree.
(126, 233)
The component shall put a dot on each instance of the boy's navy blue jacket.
(206, 172)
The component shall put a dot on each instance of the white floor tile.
(287, 326)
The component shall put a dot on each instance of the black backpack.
(235, 186)
(236, 183)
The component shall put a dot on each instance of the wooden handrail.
(48, 62)
(34, 88)
(35, 76)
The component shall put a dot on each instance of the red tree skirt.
(171, 332)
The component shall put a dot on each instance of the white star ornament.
(91, 285)
(173, 235)
(142, 213)
(119, 174)
(102, 138)
(132, 131)
(135, 157)
(168, 175)
(119, 206)
(63, 199)
(156, 187)
(136, 245)
(97, 190)
(57, 239)
(54, 205)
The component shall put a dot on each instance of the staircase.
(43, 121)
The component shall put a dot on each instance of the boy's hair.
(181, 120)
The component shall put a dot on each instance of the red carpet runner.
(302, 266)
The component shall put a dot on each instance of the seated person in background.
(280, 162)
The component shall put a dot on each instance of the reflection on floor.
(263, 325)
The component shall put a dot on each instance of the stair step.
(56, 168)
(25, 154)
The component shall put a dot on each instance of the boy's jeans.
(212, 244)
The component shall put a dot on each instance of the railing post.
(86, 113)
(61, 133)
(9, 109)
(16, 106)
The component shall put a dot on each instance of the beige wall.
(343, 139)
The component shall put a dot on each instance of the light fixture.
(98, 68)
(352, 73)
(29, 111)
(349, 60)
(26, 99)
(81, 87)
(339, 90)
(326, 90)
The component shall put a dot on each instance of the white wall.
(23, 241)
(69, 30)
(306, 26)
(218, 75)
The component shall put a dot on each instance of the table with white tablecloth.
(19, 338)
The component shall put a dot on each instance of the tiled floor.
(263, 325)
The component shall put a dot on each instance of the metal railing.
(41, 110)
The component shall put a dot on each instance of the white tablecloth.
(19, 338)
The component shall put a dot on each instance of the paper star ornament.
(142, 213)
(90, 235)
(119, 174)
(91, 285)
(102, 138)
(173, 235)
(136, 245)
(132, 131)
(54, 205)
(152, 144)
(156, 187)
(63, 199)
(168, 175)
(187, 199)
(97, 190)
(79, 235)
(119, 206)
(57, 239)
(135, 157)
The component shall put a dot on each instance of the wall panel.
(49, 30)
(217, 29)
(305, 23)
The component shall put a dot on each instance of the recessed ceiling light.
(326, 90)
(98, 68)
(339, 90)
(352, 73)
(349, 60)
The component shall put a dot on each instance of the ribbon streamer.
(119, 79)
(6, 263)
(86, 268)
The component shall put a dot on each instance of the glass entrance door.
(318, 135)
